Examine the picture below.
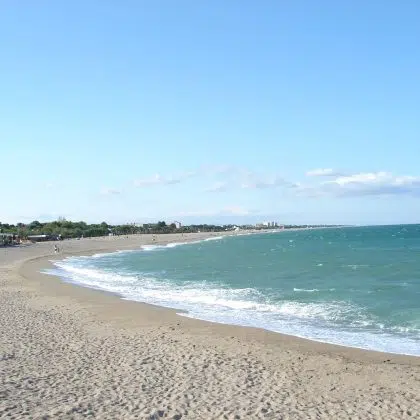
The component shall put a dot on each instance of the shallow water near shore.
(356, 287)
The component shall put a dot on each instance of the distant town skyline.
(210, 112)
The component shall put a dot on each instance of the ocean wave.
(156, 247)
(165, 293)
(295, 289)
(337, 322)
(161, 291)
(356, 266)
(213, 238)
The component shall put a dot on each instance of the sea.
(356, 287)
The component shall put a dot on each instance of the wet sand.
(71, 352)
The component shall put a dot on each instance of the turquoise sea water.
(352, 286)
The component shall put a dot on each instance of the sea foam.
(246, 284)
(247, 307)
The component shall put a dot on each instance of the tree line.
(65, 229)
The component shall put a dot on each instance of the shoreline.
(44, 262)
(215, 236)
(332, 371)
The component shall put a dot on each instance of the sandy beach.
(72, 352)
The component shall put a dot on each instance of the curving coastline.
(70, 351)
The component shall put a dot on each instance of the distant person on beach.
(56, 249)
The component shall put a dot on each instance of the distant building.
(267, 225)
(178, 225)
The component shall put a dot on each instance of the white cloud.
(187, 175)
(226, 211)
(255, 183)
(161, 180)
(336, 185)
(110, 191)
(236, 211)
(217, 187)
(366, 183)
(323, 172)
(223, 175)
(230, 174)
(363, 178)
(155, 180)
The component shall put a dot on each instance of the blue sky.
(217, 111)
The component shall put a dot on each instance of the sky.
(210, 111)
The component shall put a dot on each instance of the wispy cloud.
(217, 187)
(238, 211)
(162, 180)
(156, 180)
(226, 211)
(110, 191)
(363, 178)
(253, 182)
(365, 184)
(375, 183)
(323, 172)
(223, 175)
(336, 184)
